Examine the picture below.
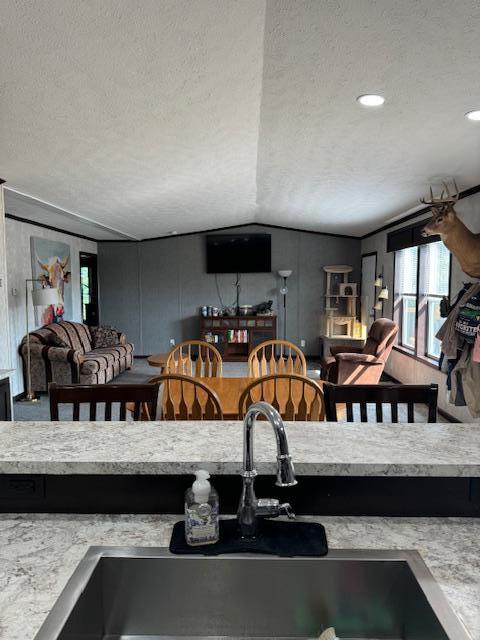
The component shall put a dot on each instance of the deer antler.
(449, 198)
(452, 197)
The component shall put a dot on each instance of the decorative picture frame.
(51, 266)
(348, 289)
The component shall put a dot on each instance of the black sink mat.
(275, 537)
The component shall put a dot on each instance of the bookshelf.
(236, 336)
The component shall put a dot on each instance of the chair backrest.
(294, 396)
(379, 395)
(184, 398)
(276, 356)
(195, 358)
(381, 338)
(138, 396)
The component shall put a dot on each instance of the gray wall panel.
(167, 278)
(120, 299)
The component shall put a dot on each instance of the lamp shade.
(383, 295)
(378, 282)
(284, 273)
(44, 297)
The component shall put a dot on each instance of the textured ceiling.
(153, 116)
(141, 115)
(324, 160)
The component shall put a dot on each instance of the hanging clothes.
(458, 335)
(468, 318)
(451, 340)
(466, 382)
(476, 349)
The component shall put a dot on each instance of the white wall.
(401, 366)
(19, 268)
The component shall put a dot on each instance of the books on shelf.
(239, 336)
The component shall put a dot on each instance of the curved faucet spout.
(249, 506)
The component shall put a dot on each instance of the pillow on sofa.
(104, 336)
(53, 340)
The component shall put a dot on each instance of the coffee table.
(158, 360)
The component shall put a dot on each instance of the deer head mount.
(462, 243)
(443, 211)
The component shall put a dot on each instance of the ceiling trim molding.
(411, 216)
(70, 214)
(239, 226)
(318, 233)
(420, 212)
(10, 216)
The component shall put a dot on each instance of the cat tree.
(340, 318)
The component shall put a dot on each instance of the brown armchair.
(349, 365)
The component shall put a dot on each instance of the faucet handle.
(286, 508)
(271, 508)
(268, 507)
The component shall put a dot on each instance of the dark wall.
(153, 290)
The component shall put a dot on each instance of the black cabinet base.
(373, 496)
(5, 403)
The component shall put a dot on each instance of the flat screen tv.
(239, 253)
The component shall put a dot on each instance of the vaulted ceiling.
(155, 116)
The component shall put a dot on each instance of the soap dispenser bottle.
(201, 511)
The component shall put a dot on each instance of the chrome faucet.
(250, 507)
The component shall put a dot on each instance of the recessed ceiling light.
(473, 115)
(371, 100)
(172, 233)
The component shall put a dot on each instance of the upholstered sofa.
(349, 365)
(79, 362)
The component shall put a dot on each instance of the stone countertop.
(38, 553)
(322, 448)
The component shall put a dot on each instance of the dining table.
(229, 390)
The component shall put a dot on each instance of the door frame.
(94, 266)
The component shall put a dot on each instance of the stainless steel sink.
(133, 593)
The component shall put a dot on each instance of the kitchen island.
(343, 469)
(38, 553)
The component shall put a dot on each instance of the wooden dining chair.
(395, 395)
(195, 358)
(141, 398)
(276, 356)
(185, 398)
(294, 396)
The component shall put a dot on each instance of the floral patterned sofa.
(76, 360)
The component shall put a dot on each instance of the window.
(436, 271)
(421, 280)
(406, 268)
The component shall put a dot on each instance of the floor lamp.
(40, 298)
(284, 273)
